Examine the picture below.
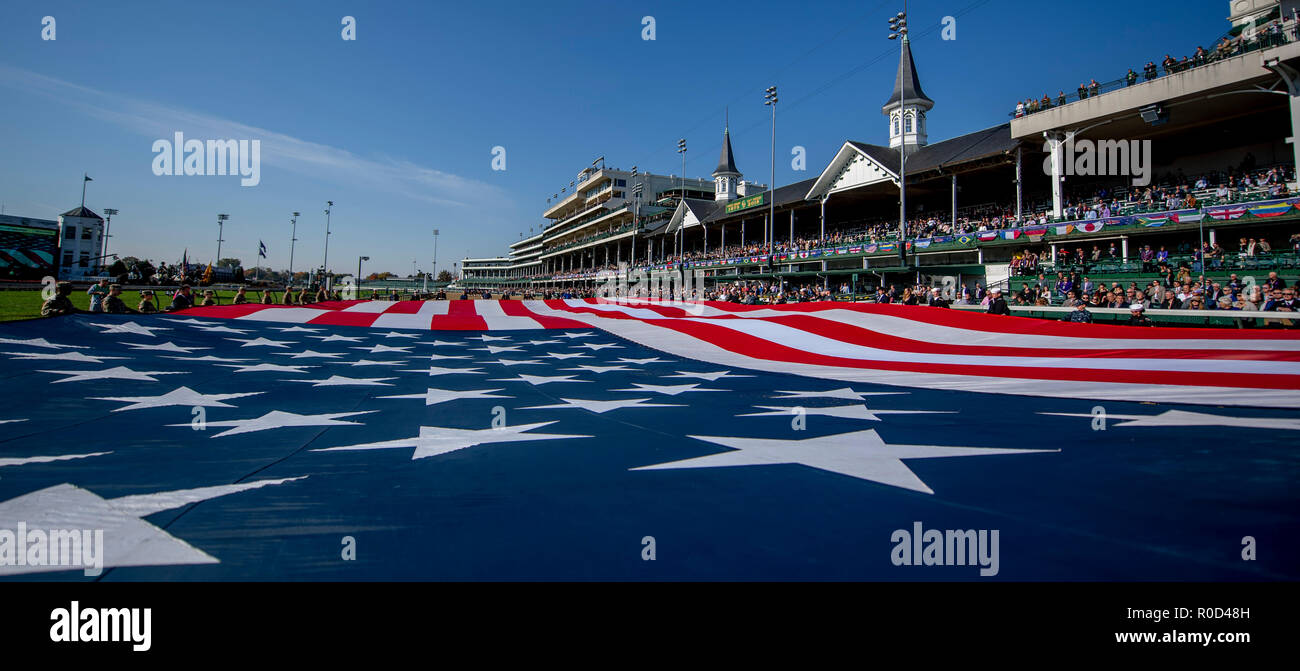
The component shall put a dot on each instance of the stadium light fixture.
(221, 220)
(770, 98)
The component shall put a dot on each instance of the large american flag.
(551, 439)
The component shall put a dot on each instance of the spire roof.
(726, 162)
(907, 85)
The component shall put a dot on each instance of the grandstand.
(998, 207)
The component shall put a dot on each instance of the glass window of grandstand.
(70, 232)
(909, 123)
(620, 182)
(85, 259)
(67, 259)
(85, 233)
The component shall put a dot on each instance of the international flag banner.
(922, 244)
(1181, 218)
(243, 442)
(1011, 234)
(986, 236)
(1270, 210)
(1064, 229)
(1039, 230)
(1090, 226)
(887, 247)
(803, 255)
(842, 250)
(859, 250)
(1154, 220)
(965, 239)
(1225, 213)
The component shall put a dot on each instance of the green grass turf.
(26, 304)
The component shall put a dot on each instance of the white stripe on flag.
(498, 320)
(423, 319)
(287, 315)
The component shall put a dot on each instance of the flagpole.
(84, 178)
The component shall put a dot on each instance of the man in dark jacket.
(182, 300)
(997, 305)
(936, 298)
(1080, 315)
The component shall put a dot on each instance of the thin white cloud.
(156, 121)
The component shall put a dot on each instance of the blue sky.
(397, 127)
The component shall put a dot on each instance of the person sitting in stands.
(1137, 316)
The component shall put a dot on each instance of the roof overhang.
(849, 169)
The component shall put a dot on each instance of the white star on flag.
(584, 334)
(642, 362)
(561, 355)
(128, 539)
(116, 373)
(497, 349)
(343, 381)
(310, 354)
(263, 342)
(711, 377)
(20, 461)
(297, 329)
(267, 368)
(598, 346)
(601, 407)
(1185, 418)
(440, 357)
(516, 362)
(368, 362)
(537, 380)
(396, 334)
(440, 343)
(858, 454)
(191, 322)
(668, 389)
(168, 346)
(131, 327)
(223, 329)
(76, 357)
(435, 396)
(435, 440)
(336, 338)
(439, 370)
(39, 342)
(207, 359)
(379, 349)
(844, 393)
(854, 411)
(488, 338)
(279, 420)
(177, 396)
(599, 369)
(543, 342)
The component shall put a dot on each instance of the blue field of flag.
(210, 449)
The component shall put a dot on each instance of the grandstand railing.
(1263, 38)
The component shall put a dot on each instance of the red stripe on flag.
(518, 309)
(755, 347)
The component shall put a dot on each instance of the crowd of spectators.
(1272, 34)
